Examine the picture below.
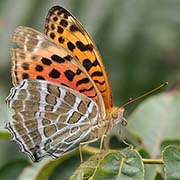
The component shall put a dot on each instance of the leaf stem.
(152, 161)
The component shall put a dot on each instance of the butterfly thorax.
(113, 117)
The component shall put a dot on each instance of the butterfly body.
(62, 95)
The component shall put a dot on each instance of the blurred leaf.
(171, 157)
(109, 165)
(5, 115)
(5, 135)
(46, 169)
(155, 120)
(165, 143)
(65, 169)
(31, 172)
(159, 176)
(143, 152)
(150, 171)
(11, 170)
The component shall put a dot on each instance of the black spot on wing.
(82, 81)
(55, 18)
(39, 68)
(46, 61)
(88, 64)
(57, 58)
(25, 66)
(69, 75)
(83, 90)
(78, 71)
(40, 77)
(61, 40)
(54, 73)
(83, 47)
(93, 96)
(52, 35)
(68, 57)
(52, 26)
(63, 23)
(71, 46)
(25, 76)
(60, 29)
(73, 28)
(96, 73)
(98, 82)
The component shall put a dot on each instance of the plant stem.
(93, 150)
(152, 161)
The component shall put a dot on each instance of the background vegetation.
(140, 45)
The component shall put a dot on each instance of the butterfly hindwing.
(50, 119)
(64, 29)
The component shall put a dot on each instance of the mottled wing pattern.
(64, 29)
(38, 57)
(50, 119)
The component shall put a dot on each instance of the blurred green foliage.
(138, 40)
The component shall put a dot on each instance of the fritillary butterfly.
(62, 95)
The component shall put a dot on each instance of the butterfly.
(61, 95)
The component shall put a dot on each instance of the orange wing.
(39, 58)
(65, 30)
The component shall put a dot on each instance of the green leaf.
(155, 120)
(171, 157)
(165, 143)
(11, 170)
(111, 165)
(150, 171)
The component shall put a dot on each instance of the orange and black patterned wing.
(65, 30)
(37, 57)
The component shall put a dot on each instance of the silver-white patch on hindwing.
(50, 119)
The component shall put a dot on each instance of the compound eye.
(114, 115)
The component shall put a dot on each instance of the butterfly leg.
(104, 142)
(124, 121)
(121, 134)
(80, 148)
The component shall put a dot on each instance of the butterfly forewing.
(64, 29)
(39, 58)
(50, 119)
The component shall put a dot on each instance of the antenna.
(155, 89)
